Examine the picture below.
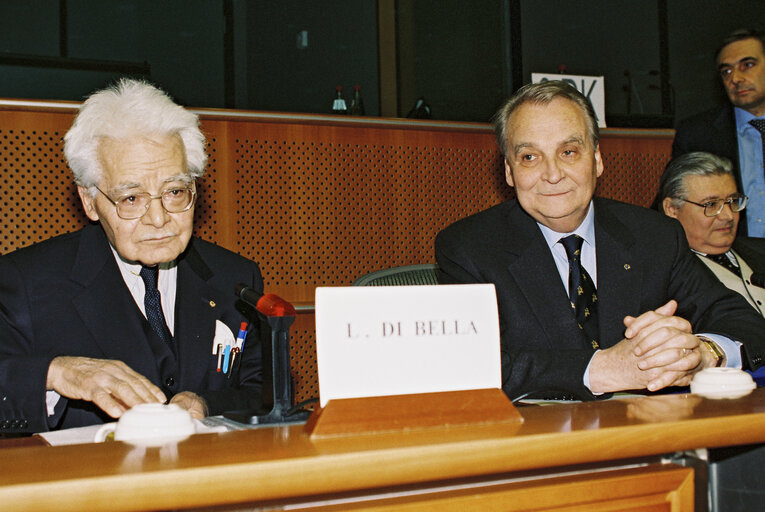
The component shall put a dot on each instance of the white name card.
(593, 87)
(396, 340)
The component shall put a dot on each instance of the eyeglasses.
(134, 206)
(737, 202)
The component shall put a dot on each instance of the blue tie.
(581, 291)
(153, 304)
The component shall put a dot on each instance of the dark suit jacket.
(66, 296)
(752, 249)
(643, 261)
(713, 131)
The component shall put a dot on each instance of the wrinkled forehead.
(556, 118)
(141, 158)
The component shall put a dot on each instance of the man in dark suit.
(735, 131)
(125, 311)
(699, 190)
(594, 296)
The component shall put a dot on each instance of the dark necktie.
(153, 304)
(581, 290)
(759, 124)
(723, 260)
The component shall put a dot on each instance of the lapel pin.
(627, 266)
(212, 303)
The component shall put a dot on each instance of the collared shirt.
(752, 174)
(586, 230)
(168, 273)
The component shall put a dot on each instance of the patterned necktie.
(723, 260)
(153, 304)
(759, 124)
(581, 290)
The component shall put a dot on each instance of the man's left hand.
(666, 342)
(192, 402)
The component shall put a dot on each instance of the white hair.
(131, 108)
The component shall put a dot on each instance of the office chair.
(425, 273)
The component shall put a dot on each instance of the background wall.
(463, 57)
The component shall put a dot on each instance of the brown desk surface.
(272, 463)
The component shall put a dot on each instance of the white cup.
(149, 425)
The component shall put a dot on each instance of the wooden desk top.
(272, 463)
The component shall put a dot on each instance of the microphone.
(268, 304)
(758, 279)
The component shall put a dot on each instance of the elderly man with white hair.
(125, 310)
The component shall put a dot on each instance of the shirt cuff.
(51, 399)
(731, 348)
(586, 377)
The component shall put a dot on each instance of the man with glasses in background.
(126, 310)
(699, 190)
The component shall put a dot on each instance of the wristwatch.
(715, 349)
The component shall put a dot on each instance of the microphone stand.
(279, 314)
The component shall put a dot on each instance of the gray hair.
(699, 163)
(131, 108)
(543, 93)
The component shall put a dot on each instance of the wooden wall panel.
(315, 200)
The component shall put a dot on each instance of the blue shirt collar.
(742, 120)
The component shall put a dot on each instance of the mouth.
(554, 194)
(158, 238)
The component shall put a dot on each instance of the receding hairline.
(582, 115)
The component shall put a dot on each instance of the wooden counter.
(573, 454)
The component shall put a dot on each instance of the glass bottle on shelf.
(338, 106)
(357, 104)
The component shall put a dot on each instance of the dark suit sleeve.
(23, 373)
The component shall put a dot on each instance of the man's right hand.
(111, 385)
(659, 350)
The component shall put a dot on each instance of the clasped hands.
(658, 350)
(113, 386)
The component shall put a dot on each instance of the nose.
(156, 215)
(553, 172)
(735, 76)
(727, 212)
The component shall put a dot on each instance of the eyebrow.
(716, 197)
(574, 139)
(124, 187)
(730, 64)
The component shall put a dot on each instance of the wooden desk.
(590, 456)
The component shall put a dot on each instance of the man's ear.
(670, 210)
(598, 162)
(88, 203)
(509, 174)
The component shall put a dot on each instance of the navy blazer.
(643, 260)
(66, 296)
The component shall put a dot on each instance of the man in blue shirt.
(736, 130)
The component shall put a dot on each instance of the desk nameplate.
(419, 411)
